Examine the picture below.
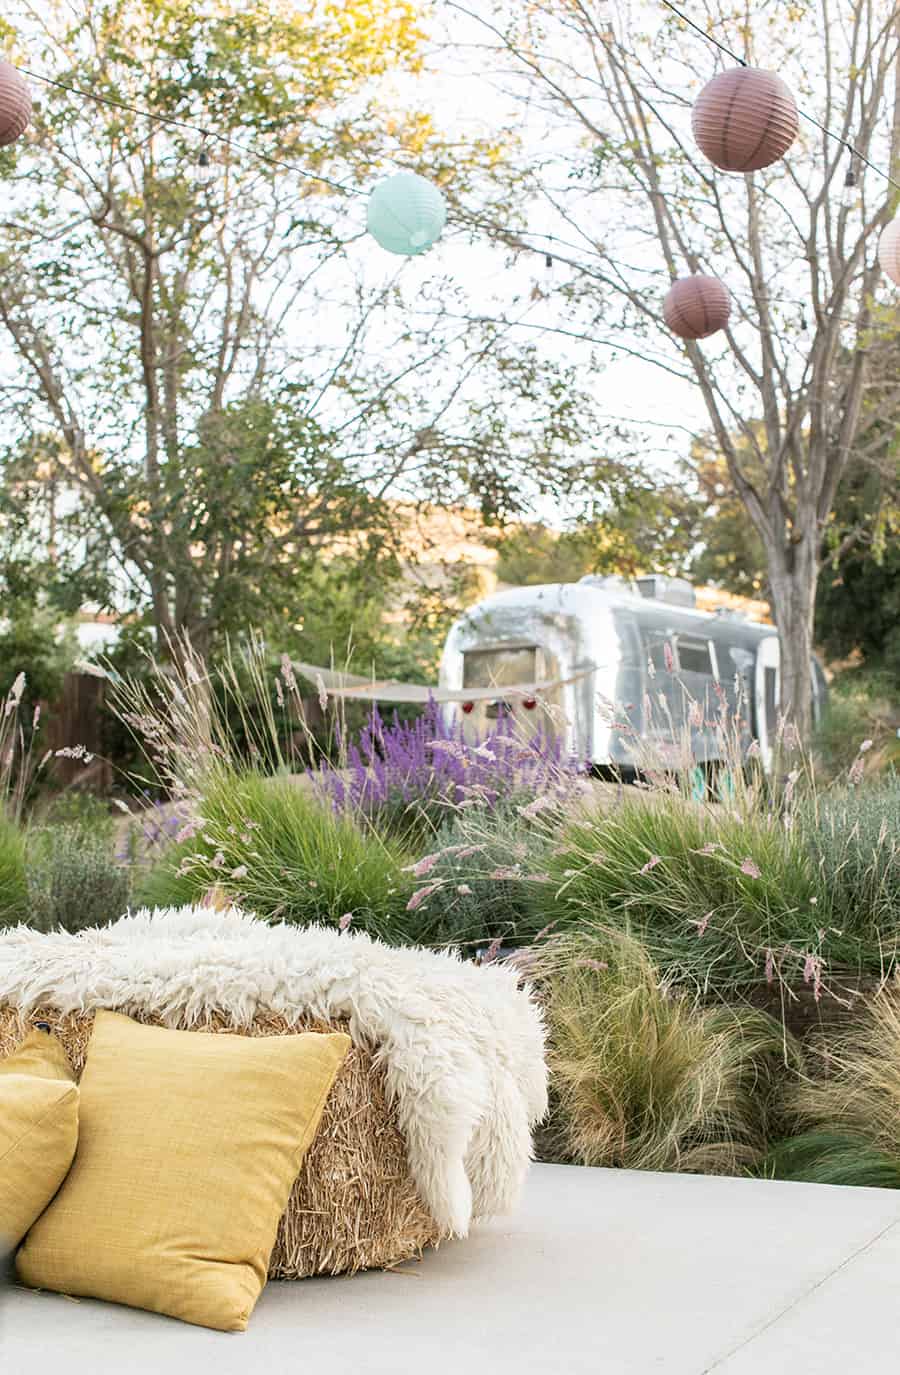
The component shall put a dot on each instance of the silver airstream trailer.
(625, 659)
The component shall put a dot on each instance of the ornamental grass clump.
(831, 1157)
(845, 1113)
(644, 1077)
(13, 888)
(480, 884)
(853, 838)
(269, 845)
(721, 901)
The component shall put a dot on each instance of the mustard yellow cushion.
(188, 1148)
(38, 1132)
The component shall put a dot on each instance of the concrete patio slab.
(607, 1271)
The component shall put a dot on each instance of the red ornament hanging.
(15, 105)
(529, 703)
(745, 119)
(468, 707)
(696, 307)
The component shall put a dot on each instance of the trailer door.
(506, 665)
(767, 697)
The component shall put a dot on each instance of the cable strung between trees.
(810, 119)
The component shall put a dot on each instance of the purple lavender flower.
(427, 764)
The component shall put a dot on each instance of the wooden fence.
(77, 720)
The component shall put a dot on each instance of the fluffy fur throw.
(462, 1045)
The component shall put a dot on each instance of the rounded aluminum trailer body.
(635, 664)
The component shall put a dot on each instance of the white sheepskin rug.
(462, 1044)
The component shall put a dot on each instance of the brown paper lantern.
(696, 307)
(889, 251)
(745, 119)
(15, 105)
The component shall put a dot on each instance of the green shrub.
(165, 883)
(720, 900)
(83, 810)
(643, 1077)
(13, 890)
(272, 847)
(853, 838)
(73, 879)
(484, 878)
(862, 705)
(831, 1157)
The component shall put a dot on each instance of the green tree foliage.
(644, 529)
(33, 642)
(730, 553)
(858, 607)
(220, 385)
(859, 603)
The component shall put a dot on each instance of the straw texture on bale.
(354, 1206)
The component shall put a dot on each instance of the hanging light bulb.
(204, 172)
(850, 192)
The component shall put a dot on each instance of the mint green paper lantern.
(406, 214)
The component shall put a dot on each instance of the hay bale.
(354, 1205)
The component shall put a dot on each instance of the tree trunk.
(794, 571)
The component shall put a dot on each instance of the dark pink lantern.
(15, 105)
(745, 119)
(696, 307)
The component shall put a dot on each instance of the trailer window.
(499, 667)
(694, 656)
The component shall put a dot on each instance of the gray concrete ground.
(600, 1271)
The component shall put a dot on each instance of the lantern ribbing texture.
(406, 214)
(745, 119)
(15, 105)
(889, 251)
(696, 307)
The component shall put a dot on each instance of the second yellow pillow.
(38, 1132)
(189, 1146)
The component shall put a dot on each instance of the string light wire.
(204, 133)
(810, 119)
(211, 135)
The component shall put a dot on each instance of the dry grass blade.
(644, 1077)
(855, 1087)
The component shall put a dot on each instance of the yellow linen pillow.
(38, 1132)
(188, 1148)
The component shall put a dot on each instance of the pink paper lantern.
(745, 119)
(696, 307)
(15, 105)
(889, 251)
